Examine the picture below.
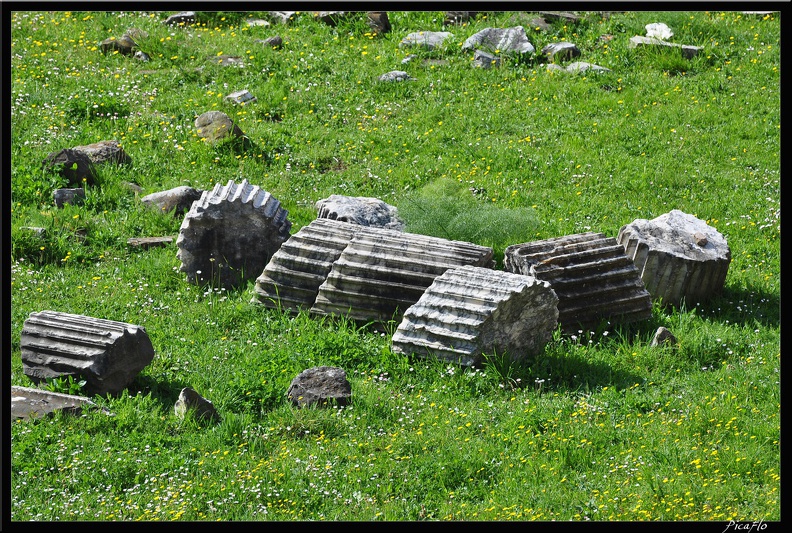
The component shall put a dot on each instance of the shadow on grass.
(745, 306)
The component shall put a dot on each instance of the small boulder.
(320, 386)
(180, 19)
(378, 22)
(191, 400)
(215, 126)
(123, 45)
(360, 210)
(395, 75)
(427, 39)
(178, 200)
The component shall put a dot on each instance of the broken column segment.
(471, 311)
(292, 278)
(383, 272)
(592, 276)
(108, 355)
(681, 259)
(229, 235)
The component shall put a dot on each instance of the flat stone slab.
(27, 403)
(149, 242)
(427, 39)
(688, 51)
(320, 386)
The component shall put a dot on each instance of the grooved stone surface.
(592, 276)
(107, 354)
(470, 311)
(229, 235)
(681, 259)
(383, 272)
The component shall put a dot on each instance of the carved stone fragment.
(178, 200)
(108, 355)
(292, 278)
(688, 51)
(505, 40)
(320, 386)
(680, 258)
(230, 234)
(28, 403)
(360, 210)
(383, 272)
(191, 400)
(215, 126)
(470, 311)
(591, 275)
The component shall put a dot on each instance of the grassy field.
(600, 426)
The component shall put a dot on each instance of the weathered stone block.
(360, 210)
(230, 234)
(468, 312)
(591, 275)
(28, 403)
(108, 355)
(681, 259)
(383, 272)
(505, 40)
(189, 399)
(178, 200)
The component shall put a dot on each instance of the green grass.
(600, 426)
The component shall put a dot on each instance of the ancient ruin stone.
(230, 234)
(561, 51)
(680, 258)
(505, 40)
(241, 97)
(68, 196)
(292, 278)
(485, 60)
(383, 272)
(142, 56)
(591, 275)
(395, 75)
(73, 165)
(105, 152)
(468, 312)
(180, 19)
(378, 22)
(149, 242)
(320, 386)
(177, 200)
(108, 355)
(283, 17)
(458, 17)
(123, 45)
(331, 18)
(28, 403)
(560, 15)
(257, 22)
(427, 39)
(688, 51)
(276, 41)
(227, 61)
(215, 126)
(663, 337)
(577, 66)
(191, 400)
(360, 210)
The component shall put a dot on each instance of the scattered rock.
(149, 242)
(360, 210)
(105, 152)
(663, 337)
(395, 75)
(458, 17)
(73, 165)
(68, 196)
(561, 51)
(108, 355)
(378, 22)
(181, 19)
(282, 17)
(189, 400)
(273, 42)
(215, 126)
(504, 40)
(142, 56)
(137, 33)
(540, 24)
(28, 403)
(560, 15)
(681, 258)
(241, 97)
(331, 18)
(179, 199)
(689, 52)
(227, 61)
(258, 22)
(577, 66)
(230, 234)
(485, 60)
(320, 386)
(427, 39)
(123, 45)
